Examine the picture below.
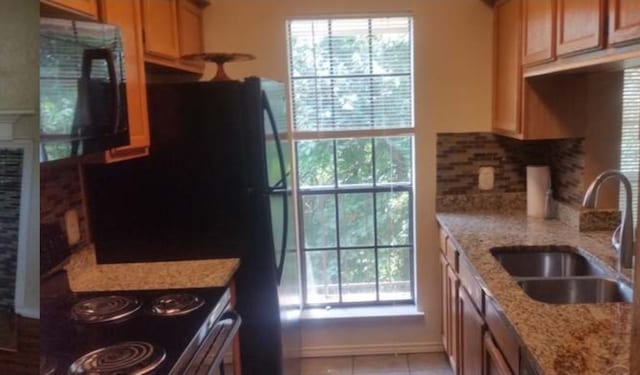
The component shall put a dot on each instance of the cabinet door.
(84, 7)
(494, 363)
(189, 28)
(507, 73)
(446, 326)
(471, 330)
(454, 319)
(160, 28)
(127, 15)
(624, 21)
(580, 26)
(539, 31)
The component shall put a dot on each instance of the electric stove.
(137, 332)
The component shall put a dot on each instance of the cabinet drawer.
(452, 255)
(502, 334)
(469, 282)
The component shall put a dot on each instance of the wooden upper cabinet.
(190, 30)
(127, 15)
(580, 25)
(538, 42)
(507, 73)
(172, 29)
(624, 21)
(84, 8)
(160, 28)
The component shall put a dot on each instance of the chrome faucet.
(622, 239)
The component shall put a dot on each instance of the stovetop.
(63, 340)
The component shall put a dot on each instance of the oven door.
(208, 359)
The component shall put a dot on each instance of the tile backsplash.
(10, 190)
(460, 155)
(61, 190)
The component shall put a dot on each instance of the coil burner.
(175, 304)
(131, 358)
(104, 309)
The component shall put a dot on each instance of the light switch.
(486, 178)
(72, 226)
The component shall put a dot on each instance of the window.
(352, 100)
(630, 140)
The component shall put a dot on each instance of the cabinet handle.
(496, 357)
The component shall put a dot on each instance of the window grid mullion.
(375, 214)
(337, 214)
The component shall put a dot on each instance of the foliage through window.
(352, 99)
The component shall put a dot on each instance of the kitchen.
(452, 101)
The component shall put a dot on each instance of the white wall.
(453, 53)
(19, 43)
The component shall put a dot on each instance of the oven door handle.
(227, 328)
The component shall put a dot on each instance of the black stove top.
(64, 340)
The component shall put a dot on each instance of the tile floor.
(401, 364)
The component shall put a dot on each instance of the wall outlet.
(486, 177)
(72, 227)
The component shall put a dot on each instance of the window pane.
(391, 45)
(349, 46)
(354, 162)
(393, 218)
(319, 213)
(392, 102)
(351, 73)
(352, 103)
(322, 276)
(315, 163)
(393, 160)
(356, 219)
(305, 105)
(358, 271)
(394, 268)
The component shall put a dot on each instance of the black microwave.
(83, 104)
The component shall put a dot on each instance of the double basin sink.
(561, 275)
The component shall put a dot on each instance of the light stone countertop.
(85, 275)
(578, 339)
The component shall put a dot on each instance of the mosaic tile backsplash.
(460, 155)
(60, 190)
(10, 189)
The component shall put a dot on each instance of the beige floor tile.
(381, 364)
(327, 366)
(429, 364)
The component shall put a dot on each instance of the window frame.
(374, 188)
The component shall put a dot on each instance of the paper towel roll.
(538, 181)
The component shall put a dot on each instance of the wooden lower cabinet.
(472, 328)
(454, 320)
(494, 362)
(446, 332)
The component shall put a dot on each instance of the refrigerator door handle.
(281, 184)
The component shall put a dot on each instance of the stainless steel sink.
(561, 275)
(576, 290)
(545, 261)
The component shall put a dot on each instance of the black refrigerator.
(217, 184)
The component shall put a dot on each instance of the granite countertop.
(85, 275)
(580, 339)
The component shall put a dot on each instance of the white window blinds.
(630, 142)
(351, 74)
